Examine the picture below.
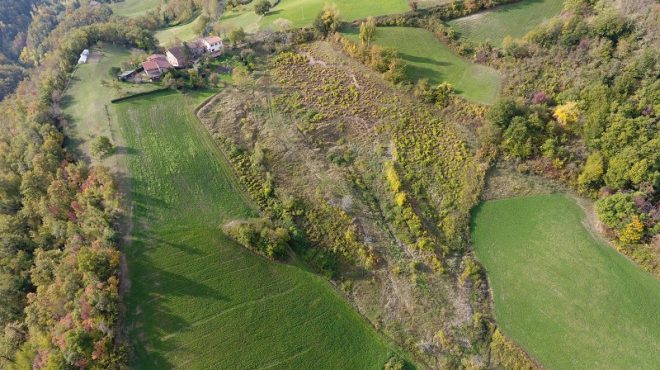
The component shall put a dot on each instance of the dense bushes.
(586, 112)
(383, 60)
(260, 236)
(508, 354)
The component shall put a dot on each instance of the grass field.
(427, 57)
(513, 20)
(198, 300)
(570, 300)
(134, 8)
(182, 32)
(302, 13)
(89, 94)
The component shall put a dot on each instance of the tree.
(592, 173)
(327, 21)
(102, 147)
(236, 36)
(368, 31)
(567, 114)
(616, 211)
(262, 7)
(517, 141)
(633, 232)
(503, 112)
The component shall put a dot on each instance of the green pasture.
(427, 57)
(134, 8)
(198, 300)
(569, 299)
(301, 13)
(89, 93)
(513, 20)
(182, 32)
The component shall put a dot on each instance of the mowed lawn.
(199, 301)
(427, 57)
(88, 96)
(570, 300)
(134, 8)
(513, 20)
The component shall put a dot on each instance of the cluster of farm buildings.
(180, 56)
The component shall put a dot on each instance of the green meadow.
(513, 20)
(134, 8)
(182, 32)
(301, 13)
(86, 100)
(568, 298)
(427, 57)
(197, 299)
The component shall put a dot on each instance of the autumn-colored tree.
(567, 114)
(327, 22)
(633, 232)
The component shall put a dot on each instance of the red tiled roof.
(156, 56)
(150, 65)
(213, 39)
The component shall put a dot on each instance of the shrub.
(593, 170)
(262, 7)
(260, 236)
(503, 112)
(327, 21)
(101, 147)
(517, 141)
(616, 211)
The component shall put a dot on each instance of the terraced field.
(513, 20)
(427, 57)
(568, 299)
(197, 299)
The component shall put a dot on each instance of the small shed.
(126, 75)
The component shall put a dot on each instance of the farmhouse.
(156, 65)
(177, 56)
(213, 44)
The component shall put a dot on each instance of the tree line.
(59, 263)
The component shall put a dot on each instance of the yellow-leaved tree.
(633, 232)
(567, 114)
